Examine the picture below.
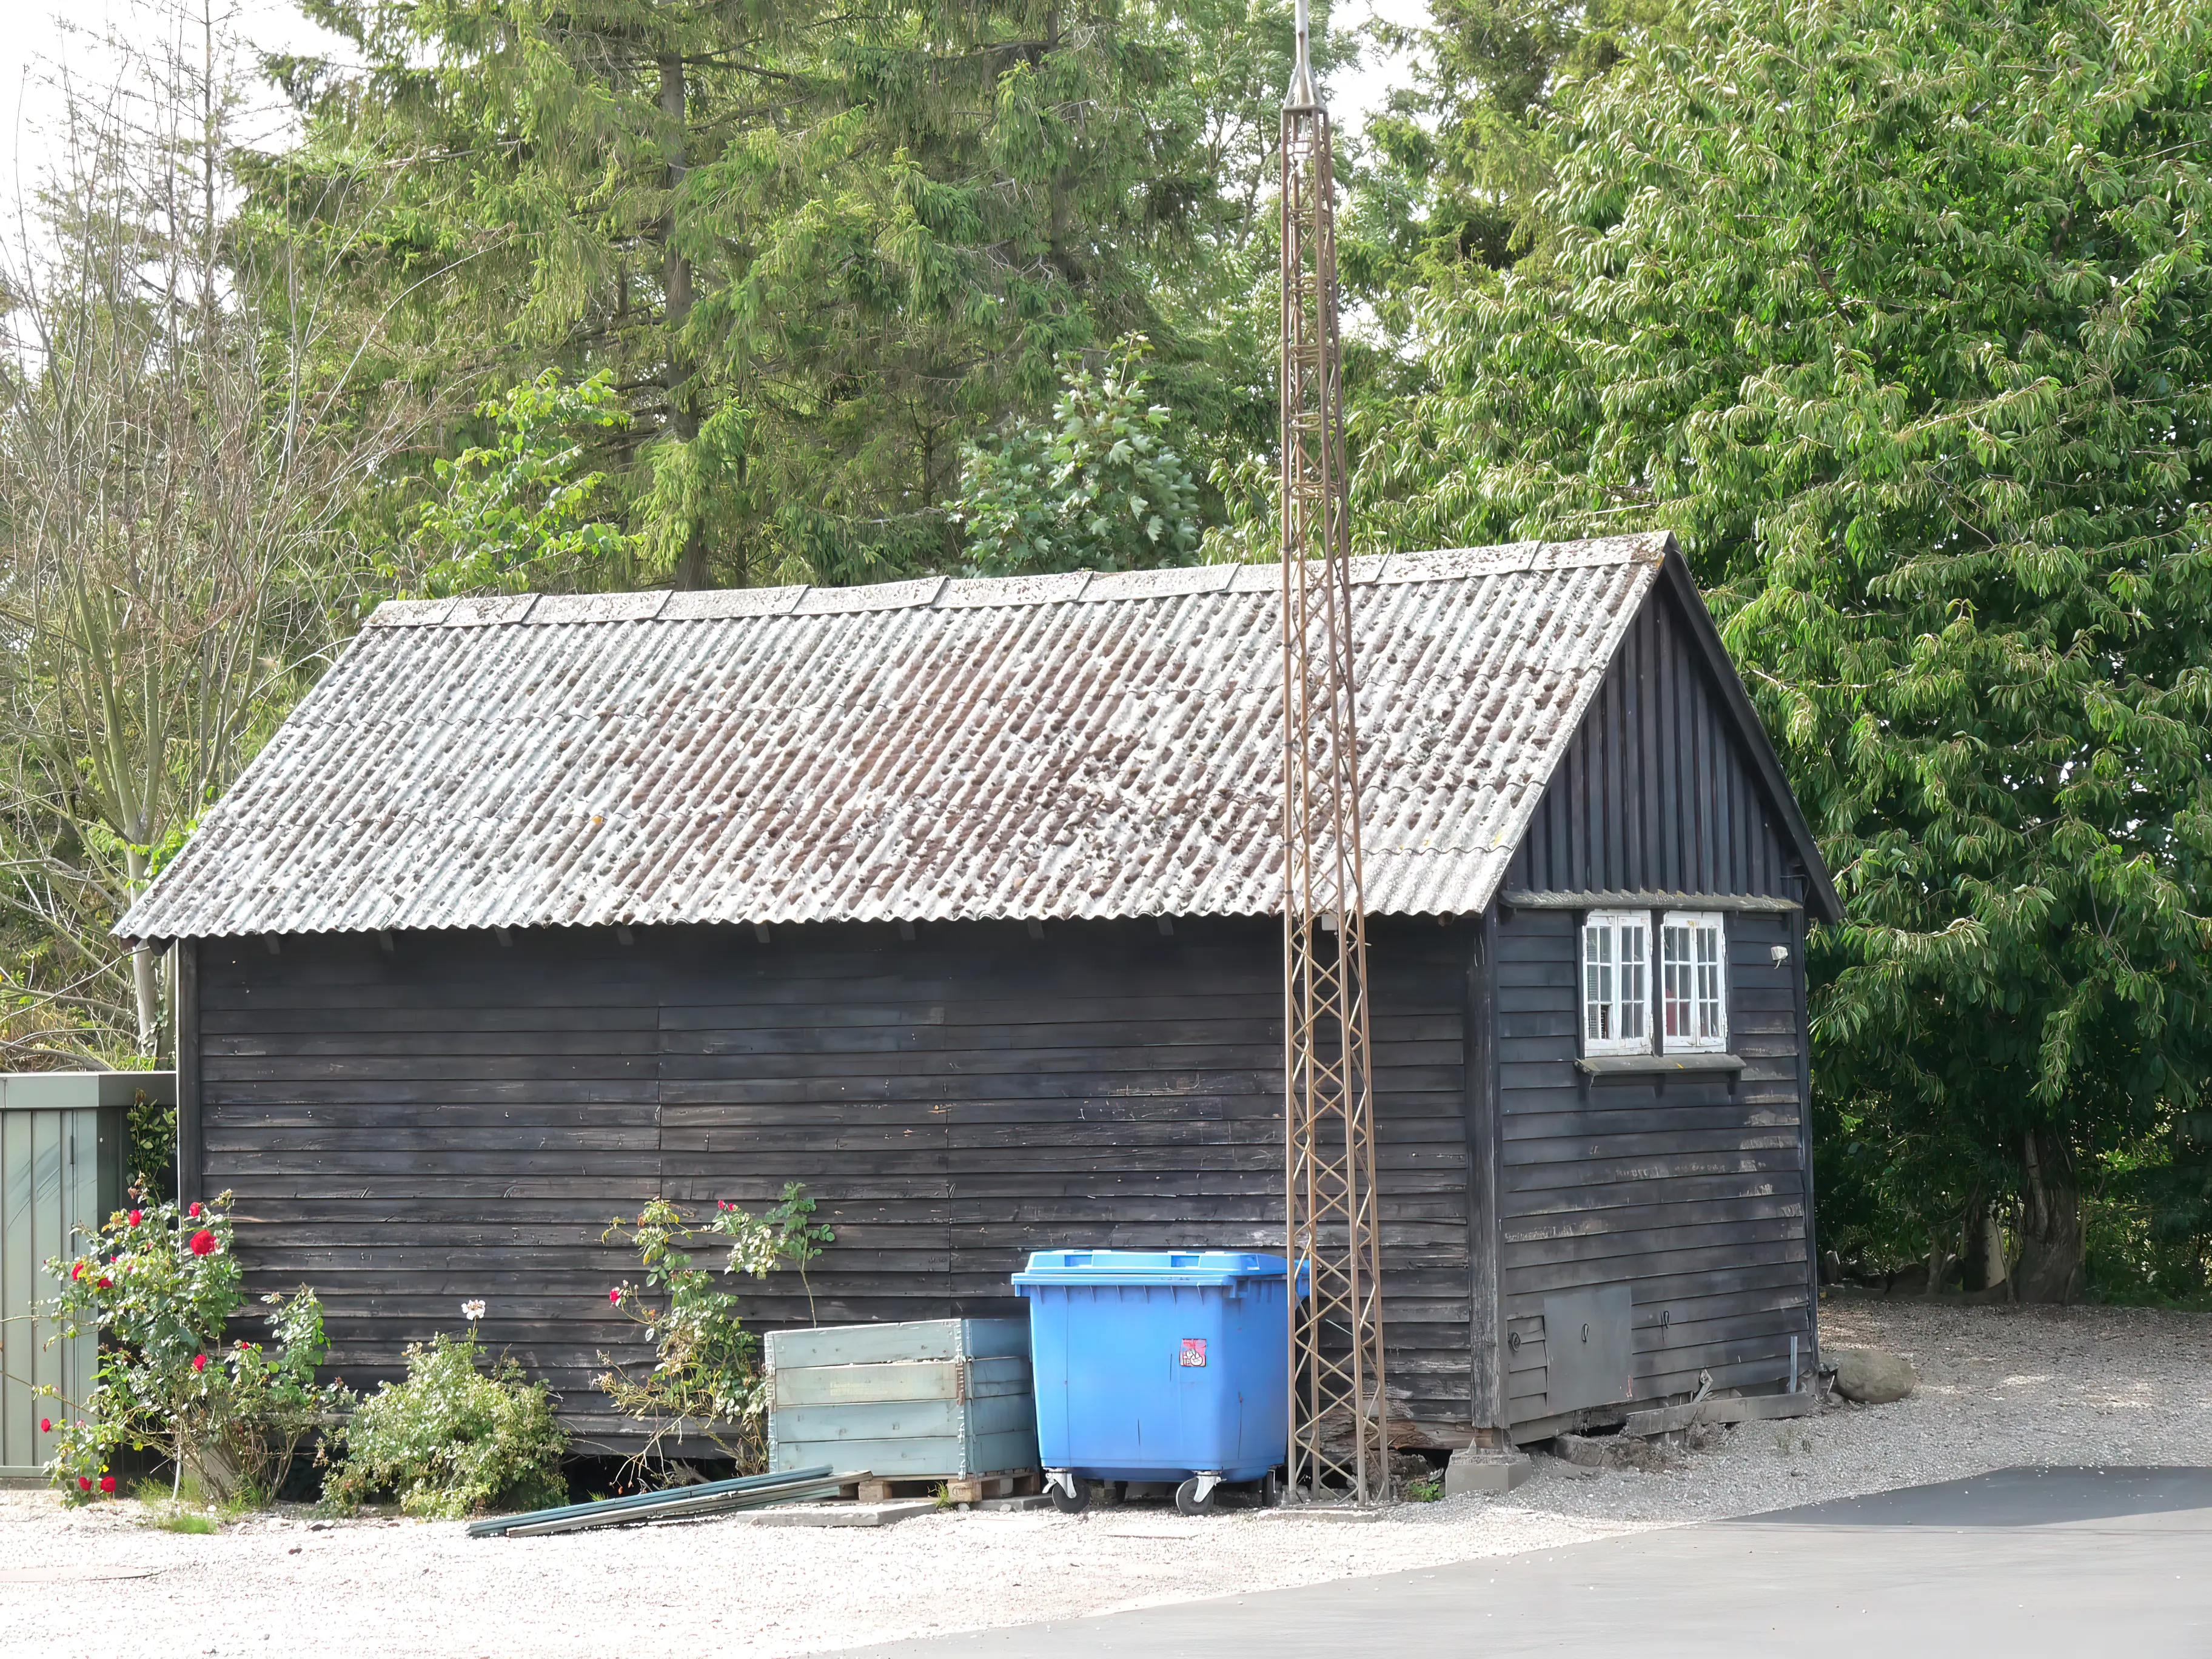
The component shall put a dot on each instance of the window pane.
(1709, 983)
(1597, 981)
(1634, 998)
(1675, 980)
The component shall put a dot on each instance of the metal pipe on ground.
(750, 1491)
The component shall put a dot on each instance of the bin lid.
(1201, 1267)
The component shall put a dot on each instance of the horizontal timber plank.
(1758, 1408)
(1639, 1144)
(1643, 1241)
(1590, 1178)
(1665, 1277)
(1610, 1115)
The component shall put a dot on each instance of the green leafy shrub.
(159, 1287)
(152, 1132)
(455, 1438)
(706, 1372)
(1098, 486)
(521, 509)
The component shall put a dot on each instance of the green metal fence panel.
(64, 1144)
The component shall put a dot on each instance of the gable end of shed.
(1669, 784)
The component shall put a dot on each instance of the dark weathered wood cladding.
(1488, 1374)
(1657, 792)
(190, 1150)
(456, 1119)
(1692, 1190)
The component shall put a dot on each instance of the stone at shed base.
(1613, 1451)
(1016, 1505)
(1474, 1469)
(1871, 1376)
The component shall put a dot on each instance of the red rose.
(77, 1272)
(615, 1296)
(137, 1216)
(105, 1283)
(203, 1242)
(84, 1483)
(45, 1426)
(199, 1362)
(194, 1212)
(107, 1483)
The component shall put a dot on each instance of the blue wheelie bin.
(1167, 1365)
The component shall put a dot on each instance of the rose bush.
(161, 1300)
(705, 1378)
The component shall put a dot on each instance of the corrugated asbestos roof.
(1035, 747)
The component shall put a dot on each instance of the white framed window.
(1692, 981)
(1617, 982)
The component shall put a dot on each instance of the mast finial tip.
(1301, 95)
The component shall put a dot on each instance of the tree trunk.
(1984, 1245)
(146, 984)
(145, 976)
(1940, 1263)
(2051, 1248)
(676, 282)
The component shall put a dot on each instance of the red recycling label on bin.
(1194, 1350)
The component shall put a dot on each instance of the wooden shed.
(956, 901)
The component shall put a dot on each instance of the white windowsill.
(1631, 1065)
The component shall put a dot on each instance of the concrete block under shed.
(1475, 1469)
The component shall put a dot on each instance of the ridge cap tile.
(490, 611)
(409, 613)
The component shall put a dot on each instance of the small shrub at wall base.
(459, 1436)
(161, 1288)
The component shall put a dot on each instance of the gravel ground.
(1998, 1387)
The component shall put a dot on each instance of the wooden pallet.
(959, 1489)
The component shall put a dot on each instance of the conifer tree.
(816, 247)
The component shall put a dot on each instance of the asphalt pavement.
(2022, 1561)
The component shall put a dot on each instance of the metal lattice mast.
(1339, 1434)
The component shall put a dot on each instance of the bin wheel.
(1271, 1491)
(1072, 1504)
(1189, 1502)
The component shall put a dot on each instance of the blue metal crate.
(1155, 1365)
(933, 1399)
